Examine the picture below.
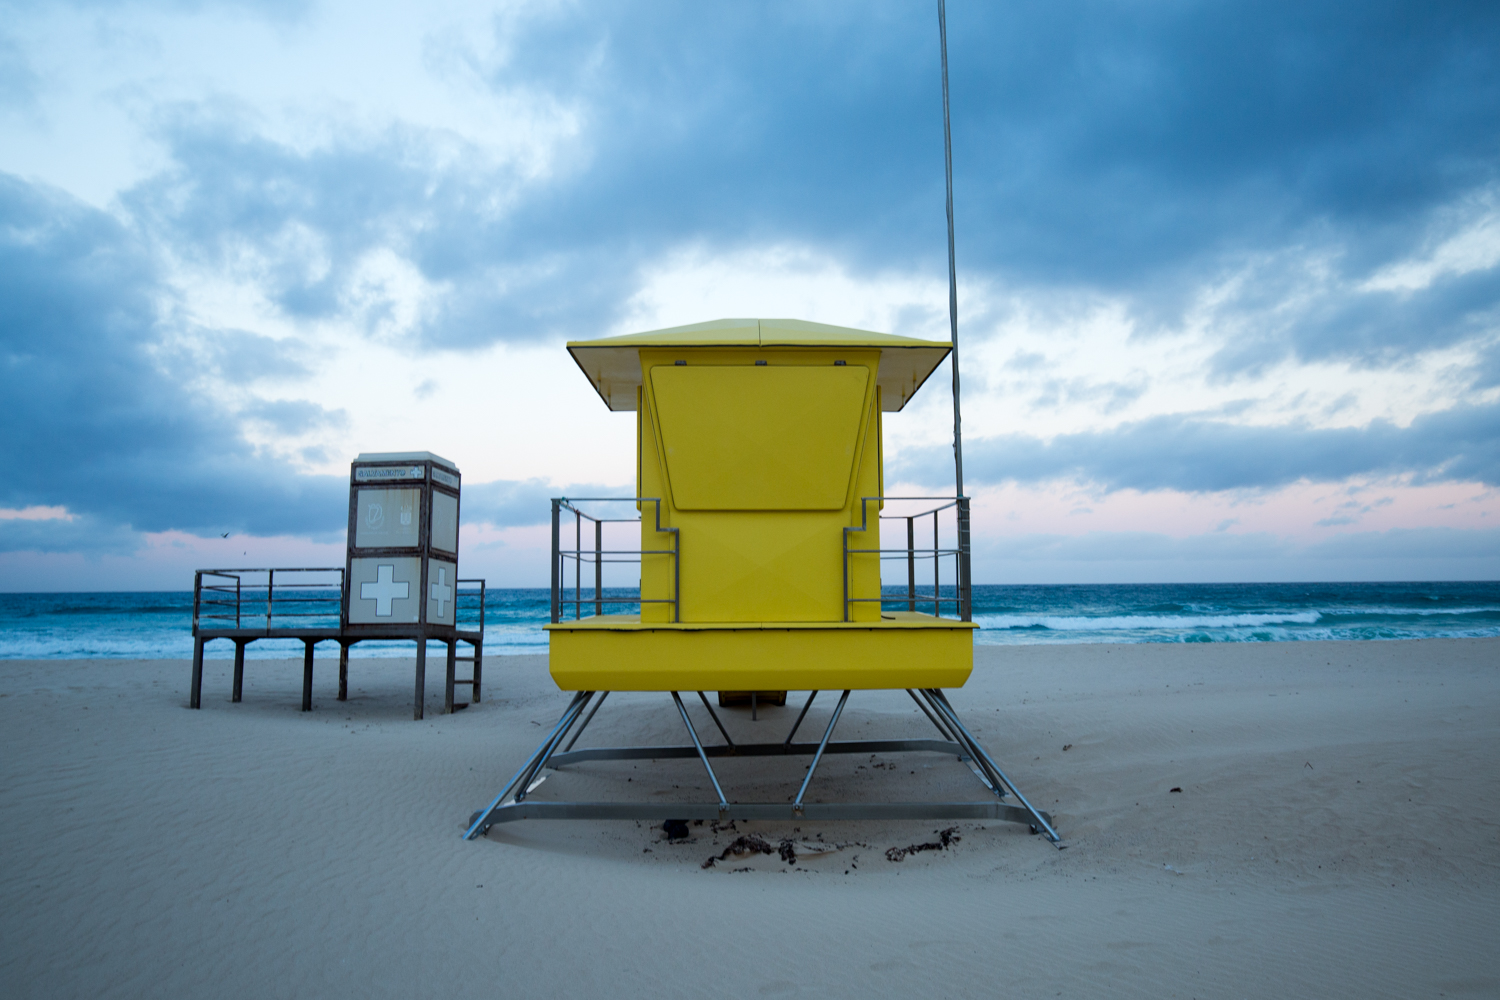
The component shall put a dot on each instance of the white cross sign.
(383, 590)
(441, 592)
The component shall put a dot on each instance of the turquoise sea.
(152, 625)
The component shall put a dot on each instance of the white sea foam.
(1114, 623)
(1403, 612)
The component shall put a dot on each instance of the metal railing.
(464, 606)
(267, 598)
(598, 556)
(912, 554)
(294, 598)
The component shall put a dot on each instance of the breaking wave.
(1116, 623)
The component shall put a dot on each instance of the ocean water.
(152, 625)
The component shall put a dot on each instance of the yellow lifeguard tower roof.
(613, 364)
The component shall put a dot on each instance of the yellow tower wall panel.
(760, 467)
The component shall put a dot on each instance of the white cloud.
(1465, 239)
(36, 514)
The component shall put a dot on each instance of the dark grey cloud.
(1139, 150)
(93, 423)
(1194, 454)
(1486, 373)
(78, 534)
(311, 219)
(240, 357)
(1370, 327)
(294, 416)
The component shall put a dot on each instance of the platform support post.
(598, 568)
(307, 671)
(195, 688)
(478, 667)
(911, 564)
(239, 670)
(421, 679)
(448, 684)
(343, 671)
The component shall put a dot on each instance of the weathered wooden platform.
(309, 609)
(310, 637)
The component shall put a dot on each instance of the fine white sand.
(1337, 835)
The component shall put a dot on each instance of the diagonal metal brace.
(715, 716)
(934, 720)
(941, 701)
(822, 746)
(525, 784)
(800, 716)
(482, 819)
(586, 720)
(966, 753)
(698, 745)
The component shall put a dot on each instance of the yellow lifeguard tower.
(760, 491)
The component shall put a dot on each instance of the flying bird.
(225, 535)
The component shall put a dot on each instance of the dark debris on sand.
(946, 839)
(752, 844)
(747, 844)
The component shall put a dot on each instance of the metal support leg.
(966, 752)
(523, 777)
(481, 821)
(416, 712)
(343, 671)
(723, 802)
(195, 687)
(942, 701)
(800, 716)
(715, 716)
(478, 667)
(239, 671)
(981, 767)
(541, 762)
(448, 683)
(948, 735)
(837, 711)
(307, 667)
(590, 718)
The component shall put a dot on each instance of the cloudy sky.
(1229, 274)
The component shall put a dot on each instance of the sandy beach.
(1337, 834)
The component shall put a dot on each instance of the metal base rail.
(512, 805)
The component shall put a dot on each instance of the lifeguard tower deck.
(760, 491)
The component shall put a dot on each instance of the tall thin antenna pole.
(965, 589)
(958, 438)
